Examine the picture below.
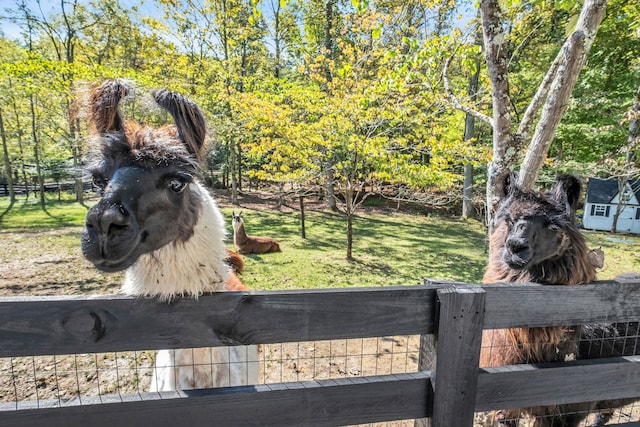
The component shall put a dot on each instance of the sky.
(12, 30)
(146, 8)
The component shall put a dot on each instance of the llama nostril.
(114, 218)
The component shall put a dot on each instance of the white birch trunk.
(504, 154)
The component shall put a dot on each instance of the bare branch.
(454, 100)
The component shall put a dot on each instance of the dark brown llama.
(157, 222)
(535, 239)
(251, 244)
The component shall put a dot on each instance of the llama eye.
(176, 185)
(100, 182)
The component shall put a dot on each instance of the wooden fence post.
(459, 339)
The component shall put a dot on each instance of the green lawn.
(28, 214)
(389, 249)
(394, 249)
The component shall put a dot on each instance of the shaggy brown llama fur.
(535, 239)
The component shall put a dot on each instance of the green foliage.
(594, 129)
(296, 89)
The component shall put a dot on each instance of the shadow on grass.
(29, 215)
(6, 211)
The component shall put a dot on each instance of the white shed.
(601, 203)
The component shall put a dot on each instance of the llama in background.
(157, 222)
(251, 244)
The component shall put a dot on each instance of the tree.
(628, 167)
(284, 32)
(64, 38)
(378, 127)
(552, 95)
(225, 52)
(7, 162)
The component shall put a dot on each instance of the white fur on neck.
(188, 268)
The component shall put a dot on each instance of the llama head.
(144, 175)
(236, 220)
(533, 227)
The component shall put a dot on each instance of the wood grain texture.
(520, 386)
(55, 325)
(310, 403)
(52, 325)
(530, 305)
(459, 338)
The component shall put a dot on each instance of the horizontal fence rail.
(53, 325)
(324, 403)
(455, 387)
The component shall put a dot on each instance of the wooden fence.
(449, 388)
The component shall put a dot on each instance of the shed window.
(600, 210)
(637, 213)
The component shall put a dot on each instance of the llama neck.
(188, 268)
(239, 234)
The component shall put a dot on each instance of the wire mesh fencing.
(584, 342)
(45, 381)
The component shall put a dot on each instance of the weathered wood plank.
(53, 325)
(459, 338)
(531, 305)
(520, 386)
(312, 403)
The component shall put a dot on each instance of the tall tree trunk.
(504, 152)
(239, 164)
(329, 187)
(469, 133)
(36, 152)
(554, 91)
(77, 156)
(233, 173)
(328, 38)
(19, 134)
(467, 192)
(276, 40)
(329, 48)
(349, 208)
(7, 162)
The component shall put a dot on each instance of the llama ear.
(506, 182)
(188, 117)
(103, 105)
(567, 190)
